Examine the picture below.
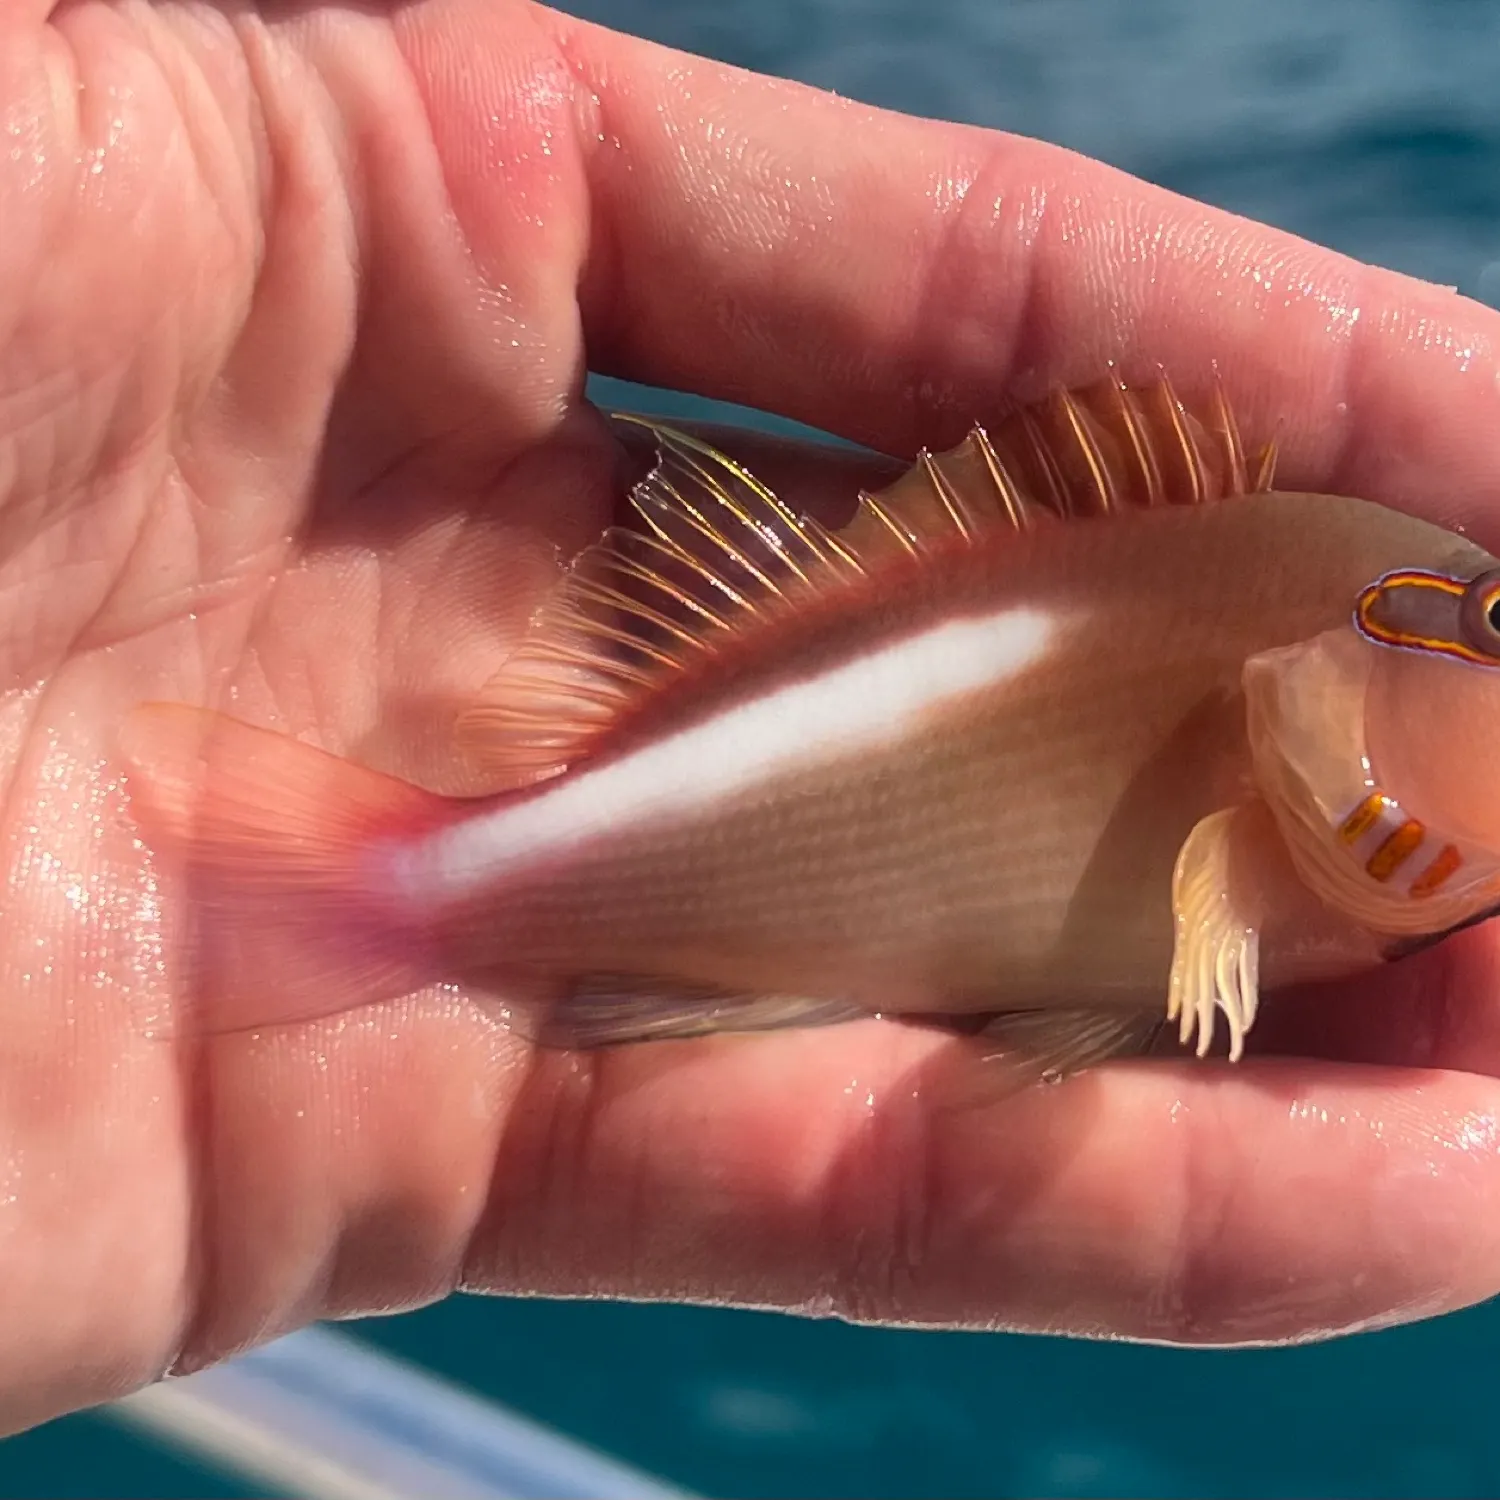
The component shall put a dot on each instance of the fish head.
(1377, 746)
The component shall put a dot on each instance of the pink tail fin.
(282, 850)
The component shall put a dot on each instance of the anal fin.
(1054, 1044)
(1026, 1047)
(608, 1010)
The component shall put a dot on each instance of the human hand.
(296, 307)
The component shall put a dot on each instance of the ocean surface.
(1373, 126)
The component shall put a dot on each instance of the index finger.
(891, 279)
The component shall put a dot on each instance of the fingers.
(1435, 1009)
(890, 279)
(1277, 1201)
(373, 1163)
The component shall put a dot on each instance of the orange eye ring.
(1420, 611)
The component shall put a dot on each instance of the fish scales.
(972, 836)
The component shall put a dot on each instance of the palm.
(238, 473)
(294, 307)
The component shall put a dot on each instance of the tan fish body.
(985, 751)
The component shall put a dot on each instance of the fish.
(1079, 735)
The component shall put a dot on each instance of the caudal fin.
(282, 853)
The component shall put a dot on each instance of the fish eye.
(1480, 613)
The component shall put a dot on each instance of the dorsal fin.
(717, 553)
(1093, 451)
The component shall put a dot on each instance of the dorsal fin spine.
(1056, 499)
(631, 639)
(1140, 443)
(617, 599)
(951, 501)
(1229, 435)
(641, 573)
(1089, 447)
(708, 531)
(1012, 500)
(1265, 468)
(687, 558)
(823, 546)
(872, 506)
(1187, 447)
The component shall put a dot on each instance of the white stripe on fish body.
(857, 705)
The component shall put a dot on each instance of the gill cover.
(1351, 838)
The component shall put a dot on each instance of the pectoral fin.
(1218, 905)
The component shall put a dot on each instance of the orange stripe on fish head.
(1387, 841)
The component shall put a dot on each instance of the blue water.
(1374, 126)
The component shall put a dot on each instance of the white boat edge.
(325, 1416)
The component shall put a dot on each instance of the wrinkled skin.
(295, 305)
